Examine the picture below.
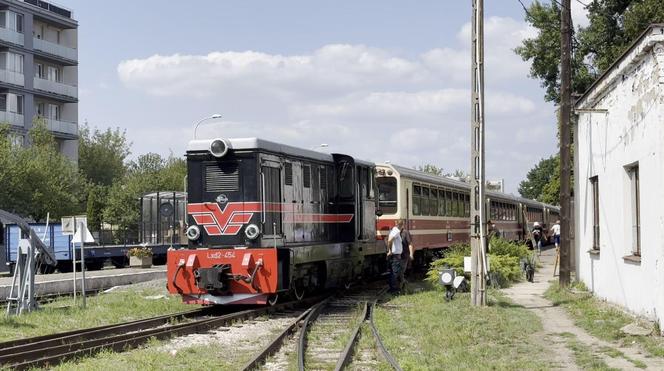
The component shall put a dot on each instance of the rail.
(50, 350)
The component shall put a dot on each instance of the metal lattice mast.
(477, 197)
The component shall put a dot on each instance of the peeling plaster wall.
(630, 132)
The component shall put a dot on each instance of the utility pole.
(565, 138)
(477, 198)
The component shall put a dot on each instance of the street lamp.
(213, 117)
(322, 145)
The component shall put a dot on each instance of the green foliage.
(614, 24)
(535, 186)
(38, 180)
(504, 270)
(453, 259)
(504, 261)
(149, 173)
(499, 246)
(431, 169)
(95, 205)
(102, 155)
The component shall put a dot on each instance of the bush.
(499, 246)
(505, 270)
(504, 261)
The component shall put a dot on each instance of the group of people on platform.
(400, 250)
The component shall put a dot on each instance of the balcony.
(56, 87)
(60, 126)
(11, 77)
(11, 36)
(11, 118)
(55, 49)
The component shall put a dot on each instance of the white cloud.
(369, 102)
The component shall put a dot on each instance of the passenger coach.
(437, 209)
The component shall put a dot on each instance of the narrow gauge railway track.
(333, 317)
(50, 350)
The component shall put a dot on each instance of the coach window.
(417, 198)
(466, 205)
(387, 195)
(306, 176)
(433, 202)
(425, 201)
(441, 202)
(371, 174)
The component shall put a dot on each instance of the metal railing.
(55, 8)
(11, 77)
(56, 87)
(55, 49)
(12, 36)
(62, 126)
(12, 118)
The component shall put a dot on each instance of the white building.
(619, 180)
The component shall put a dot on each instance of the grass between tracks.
(103, 309)
(423, 332)
(601, 319)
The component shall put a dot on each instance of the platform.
(61, 283)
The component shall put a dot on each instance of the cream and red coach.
(437, 210)
(266, 218)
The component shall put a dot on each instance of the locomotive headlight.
(193, 232)
(218, 148)
(252, 231)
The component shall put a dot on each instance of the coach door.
(271, 199)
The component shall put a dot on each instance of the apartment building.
(39, 70)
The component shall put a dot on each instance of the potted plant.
(140, 256)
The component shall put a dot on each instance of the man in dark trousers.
(394, 249)
(407, 253)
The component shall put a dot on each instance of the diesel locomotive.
(267, 219)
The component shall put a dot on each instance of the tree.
(102, 155)
(536, 186)
(38, 180)
(431, 169)
(149, 173)
(614, 24)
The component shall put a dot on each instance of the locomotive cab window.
(387, 195)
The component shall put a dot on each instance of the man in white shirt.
(394, 249)
(555, 230)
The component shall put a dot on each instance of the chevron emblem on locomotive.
(226, 222)
(229, 221)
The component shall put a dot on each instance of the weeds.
(599, 318)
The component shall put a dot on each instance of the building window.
(12, 21)
(594, 185)
(633, 173)
(53, 74)
(39, 70)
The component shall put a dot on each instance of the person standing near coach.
(394, 249)
(555, 230)
(407, 253)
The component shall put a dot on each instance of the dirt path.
(562, 336)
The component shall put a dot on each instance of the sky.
(379, 80)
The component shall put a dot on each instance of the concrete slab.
(61, 283)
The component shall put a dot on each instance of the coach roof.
(444, 181)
